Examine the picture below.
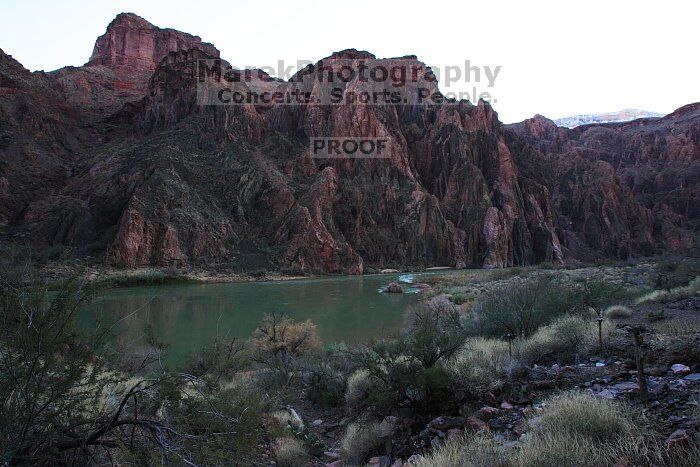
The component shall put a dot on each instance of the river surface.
(187, 317)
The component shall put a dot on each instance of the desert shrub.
(676, 272)
(390, 375)
(567, 337)
(483, 365)
(290, 452)
(516, 310)
(672, 295)
(277, 345)
(281, 338)
(459, 298)
(578, 429)
(617, 312)
(472, 450)
(359, 442)
(219, 423)
(433, 330)
(325, 384)
(522, 308)
(220, 360)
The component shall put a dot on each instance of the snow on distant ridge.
(610, 117)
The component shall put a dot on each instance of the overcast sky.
(557, 58)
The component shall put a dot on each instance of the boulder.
(393, 287)
(680, 370)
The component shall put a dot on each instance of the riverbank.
(115, 277)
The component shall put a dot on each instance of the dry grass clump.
(672, 295)
(483, 365)
(290, 452)
(617, 312)
(578, 429)
(478, 450)
(359, 441)
(566, 337)
(487, 364)
(359, 386)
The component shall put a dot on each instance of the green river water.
(188, 316)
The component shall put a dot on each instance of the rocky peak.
(352, 54)
(132, 42)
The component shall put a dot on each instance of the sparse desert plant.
(578, 429)
(617, 312)
(470, 450)
(656, 315)
(672, 295)
(359, 442)
(290, 452)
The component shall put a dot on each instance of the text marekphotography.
(401, 81)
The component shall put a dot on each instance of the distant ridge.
(610, 117)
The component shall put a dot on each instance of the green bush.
(325, 384)
(522, 308)
(391, 373)
(434, 331)
(676, 272)
(147, 277)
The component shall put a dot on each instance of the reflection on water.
(187, 317)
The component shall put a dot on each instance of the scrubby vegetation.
(146, 277)
(65, 402)
(672, 295)
(73, 398)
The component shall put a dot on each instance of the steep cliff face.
(620, 189)
(122, 62)
(144, 175)
(133, 43)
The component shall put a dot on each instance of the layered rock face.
(122, 62)
(154, 178)
(133, 43)
(620, 189)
